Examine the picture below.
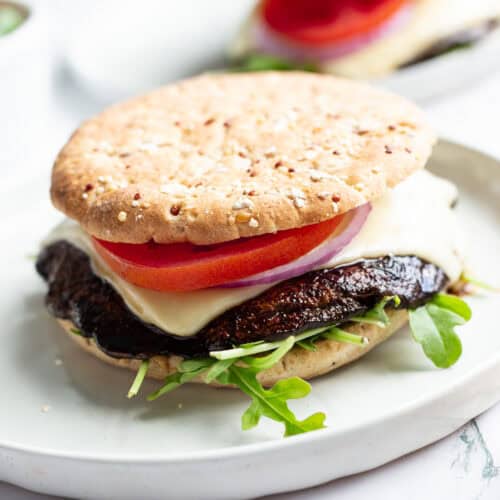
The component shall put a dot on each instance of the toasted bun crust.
(298, 362)
(219, 157)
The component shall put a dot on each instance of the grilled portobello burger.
(247, 230)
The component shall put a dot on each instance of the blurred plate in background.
(121, 48)
(447, 73)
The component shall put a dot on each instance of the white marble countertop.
(463, 466)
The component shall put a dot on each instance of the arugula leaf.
(252, 344)
(76, 331)
(454, 304)
(272, 403)
(433, 326)
(221, 367)
(188, 370)
(139, 379)
(339, 335)
(308, 344)
(259, 347)
(192, 365)
(332, 333)
(377, 315)
(217, 369)
(265, 62)
(171, 382)
(264, 362)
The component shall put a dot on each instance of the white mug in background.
(124, 47)
(24, 90)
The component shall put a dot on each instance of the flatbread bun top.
(223, 156)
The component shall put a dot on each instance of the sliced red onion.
(273, 43)
(341, 237)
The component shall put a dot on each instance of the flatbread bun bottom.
(298, 362)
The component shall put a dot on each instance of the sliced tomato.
(183, 266)
(322, 22)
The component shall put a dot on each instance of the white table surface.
(463, 466)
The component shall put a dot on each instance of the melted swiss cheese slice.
(415, 218)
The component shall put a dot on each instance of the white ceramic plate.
(94, 443)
